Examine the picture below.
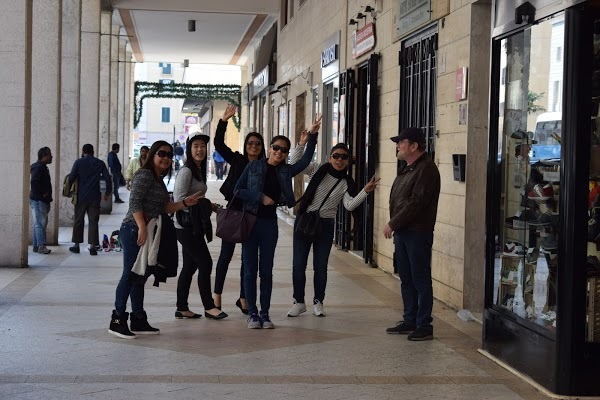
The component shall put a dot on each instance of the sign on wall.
(363, 40)
(411, 14)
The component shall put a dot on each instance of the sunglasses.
(277, 147)
(254, 143)
(337, 156)
(163, 154)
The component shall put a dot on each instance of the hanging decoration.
(147, 90)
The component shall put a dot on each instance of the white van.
(547, 135)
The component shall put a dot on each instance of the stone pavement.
(54, 342)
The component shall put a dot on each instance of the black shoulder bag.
(309, 223)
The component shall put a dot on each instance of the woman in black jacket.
(254, 149)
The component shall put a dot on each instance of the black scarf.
(323, 170)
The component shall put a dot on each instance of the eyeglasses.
(277, 147)
(337, 156)
(163, 154)
(253, 143)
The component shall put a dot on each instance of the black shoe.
(35, 249)
(141, 326)
(74, 249)
(403, 328)
(118, 326)
(119, 201)
(220, 316)
(239, 304)
(93, 251)
(187, 314)
(421, 333)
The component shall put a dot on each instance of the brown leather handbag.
(234, 226)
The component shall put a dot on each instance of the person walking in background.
(114, 165)
(329, 185)
(254, 149)
(219, 164)
(413, 211)
(264, 185)
(149, 199)
(88, 171)
(134, 165)
(40, 197)
(178, 151)
(196, 256)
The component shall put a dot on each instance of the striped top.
(186, 185)
(147, 195)
(329, 209)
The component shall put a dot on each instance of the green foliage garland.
(146, 90)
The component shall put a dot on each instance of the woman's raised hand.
(229, 112)
(303, 138)
(316, 124)
(372, 184)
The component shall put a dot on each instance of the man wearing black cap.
(413, 210)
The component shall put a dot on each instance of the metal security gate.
(418, 72)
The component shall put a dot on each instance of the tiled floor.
(54, 316)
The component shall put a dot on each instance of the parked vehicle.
(547, 135)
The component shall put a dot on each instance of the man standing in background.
(134, 165)
(114, 165)
(219, 165)
(40, 198)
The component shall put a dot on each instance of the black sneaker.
(93, 251)
(35, 249)
(141, 326)
(119, 201)
(118, 326)
(402, 328)
(421, 333)
(74, 249)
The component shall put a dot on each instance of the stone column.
(127, 112)
(15, 120)
(89, 83)
(114, 83)
(45, 98)
(104, 96)
(70, 146)
(121, 93)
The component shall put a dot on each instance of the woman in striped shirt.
(330, 183)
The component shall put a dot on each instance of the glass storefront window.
(593, 254)
(529, 155)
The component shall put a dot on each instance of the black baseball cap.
(413, 134)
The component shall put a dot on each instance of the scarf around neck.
(316, 180)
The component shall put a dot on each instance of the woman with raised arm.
(254, 149)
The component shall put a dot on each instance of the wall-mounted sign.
(261, 81)
(191, 119)
(329, 55)
(363, 40)
(461, 84)
(411, 14)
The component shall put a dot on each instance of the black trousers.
(93, 213)
(195, 257)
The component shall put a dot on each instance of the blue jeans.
(116, 181)
(227, 249)
(128, 287)
(258, 253)
(40, 211)
(321, 250)
(413, 263)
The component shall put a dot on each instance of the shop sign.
(261, 81)
(329, 55)
(191, 119)
(363, 40)
(461, 84)
(411, 14)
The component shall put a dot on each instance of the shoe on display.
(540, 193)
(512, 249)
(520, 135)
(549, 242)
(318, 309)
(297, 309)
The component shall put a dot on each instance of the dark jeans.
(258, 253)
(321, 250)
(413, 262)
(93, 213)
(227, 249)
(116, 181)
(219, 170)
(40, 210)
(129, 288)
(195, 257)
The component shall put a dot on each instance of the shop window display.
(529, 152)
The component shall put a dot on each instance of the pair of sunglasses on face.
(337, 156)
(277, 147)
(163, 154)
(253, 143)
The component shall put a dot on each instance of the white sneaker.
(297, 309)
(318, 309)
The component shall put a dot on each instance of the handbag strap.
(329, 194)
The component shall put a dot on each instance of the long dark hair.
(198, 173)
(262, 141)
(149, 163)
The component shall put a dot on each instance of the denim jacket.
(250, 185)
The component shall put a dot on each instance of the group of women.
(258, 182)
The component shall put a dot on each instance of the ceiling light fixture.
(191, 25)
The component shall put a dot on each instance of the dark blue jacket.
(88, 170)
(114, 165)
(251, 182)
(41, 185)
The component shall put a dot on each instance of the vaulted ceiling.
(225, 30)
